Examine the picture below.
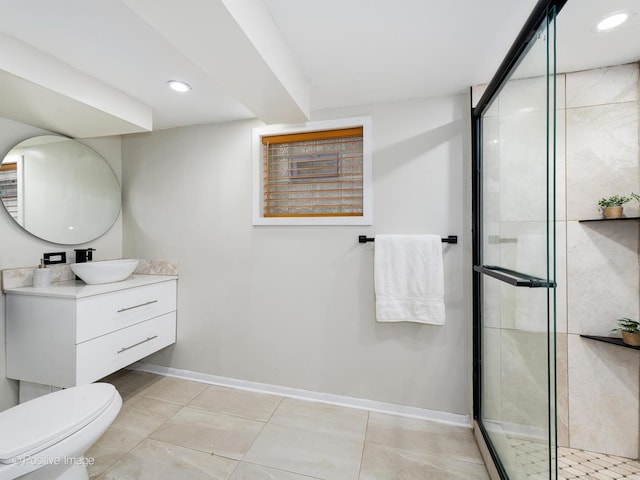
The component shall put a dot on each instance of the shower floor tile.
(574, 463)
(596, 466)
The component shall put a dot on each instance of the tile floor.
(176, 429)
(574, 463)
(583, 465)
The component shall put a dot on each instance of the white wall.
(21, 249)
(294, 306)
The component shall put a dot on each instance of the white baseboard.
(352, 402)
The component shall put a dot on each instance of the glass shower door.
(516, 267)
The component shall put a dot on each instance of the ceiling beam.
(40, 90)
(239, 47)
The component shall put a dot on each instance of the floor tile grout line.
(147, 436)
(270, 422)
(481, 463)
(208, 412)
(304, 475)
(234, 469)
(169, 444)
(264, 424)
(274, 410)
(106, 470)
(364, 444)
(228, 414)
(200, 409)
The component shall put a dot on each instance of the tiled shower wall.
(598, 383)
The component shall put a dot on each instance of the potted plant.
(612, 206)
(630, 330)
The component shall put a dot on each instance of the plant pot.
(631, 338)
(612, 212)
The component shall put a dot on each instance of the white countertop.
(79, 289)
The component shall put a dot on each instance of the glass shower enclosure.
(514, 256)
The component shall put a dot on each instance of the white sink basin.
(107, 271)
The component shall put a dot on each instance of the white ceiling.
(99, 67)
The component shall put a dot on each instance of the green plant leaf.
(616, 200)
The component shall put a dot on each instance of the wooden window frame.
(310, 130)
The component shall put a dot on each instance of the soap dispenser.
(41, 275)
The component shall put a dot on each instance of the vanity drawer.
(101, 356)
(109, 312)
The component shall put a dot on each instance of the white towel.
(409, 279)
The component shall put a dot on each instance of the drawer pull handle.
(124, 349)
(137, 306)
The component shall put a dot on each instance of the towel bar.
(449, 239)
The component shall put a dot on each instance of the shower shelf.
(611, 340)
(608, 219)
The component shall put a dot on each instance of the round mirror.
(59, 190)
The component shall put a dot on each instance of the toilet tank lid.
(30, 427)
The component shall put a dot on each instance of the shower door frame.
(538, 17)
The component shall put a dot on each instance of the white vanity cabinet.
(71, 333)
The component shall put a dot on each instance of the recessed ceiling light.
(612, 21)
(179, 86)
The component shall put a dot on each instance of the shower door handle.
(517, 279)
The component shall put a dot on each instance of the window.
(318, 174)
(9, 188)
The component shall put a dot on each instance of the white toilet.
(46, 438)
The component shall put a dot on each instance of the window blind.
(9, 188)
(314, 174)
